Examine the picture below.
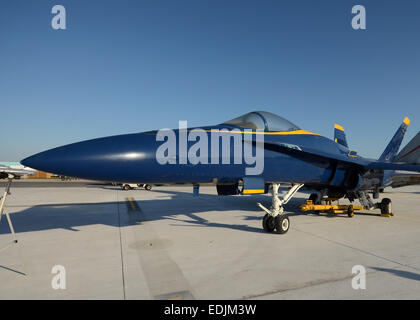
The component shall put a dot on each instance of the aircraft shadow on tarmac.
(181, 207)
(175, 205)
(399, 273)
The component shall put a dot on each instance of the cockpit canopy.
(263, 120)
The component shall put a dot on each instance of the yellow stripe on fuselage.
(296, 132)
(253, 191)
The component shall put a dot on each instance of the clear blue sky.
(130, 66)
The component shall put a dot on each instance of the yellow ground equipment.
(328, 207)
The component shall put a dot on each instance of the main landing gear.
(275, 219)
(385, 205)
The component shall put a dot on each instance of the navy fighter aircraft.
(267, 151)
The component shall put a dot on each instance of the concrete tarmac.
(168, 244)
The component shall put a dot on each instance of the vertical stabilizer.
(390, 153)
(340, 136)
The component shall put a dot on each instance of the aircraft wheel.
(268, 223)
(386, 206)
(350, 211)
(126, 187)
(148, 187)
(282, 223)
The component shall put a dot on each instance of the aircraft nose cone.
(36, 161)
(97, 159)
(53, 161)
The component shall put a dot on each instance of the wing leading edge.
(362, 164)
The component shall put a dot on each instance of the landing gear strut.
(275, 219)
(385, 205)
(2, 202)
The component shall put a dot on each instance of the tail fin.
(411, 152)
(391, 150)
(340, 136)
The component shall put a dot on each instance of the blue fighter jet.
(254, 153)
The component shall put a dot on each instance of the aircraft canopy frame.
(263, 120)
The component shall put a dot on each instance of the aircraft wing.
(314, 155)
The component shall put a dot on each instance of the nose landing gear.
(275, 218)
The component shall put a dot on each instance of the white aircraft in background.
(411, 152)
(14, 170)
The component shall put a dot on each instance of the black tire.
(268, 223)
(126, 187)
(386, 206)
(350, 211)
(282, 223)
(148, 187)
